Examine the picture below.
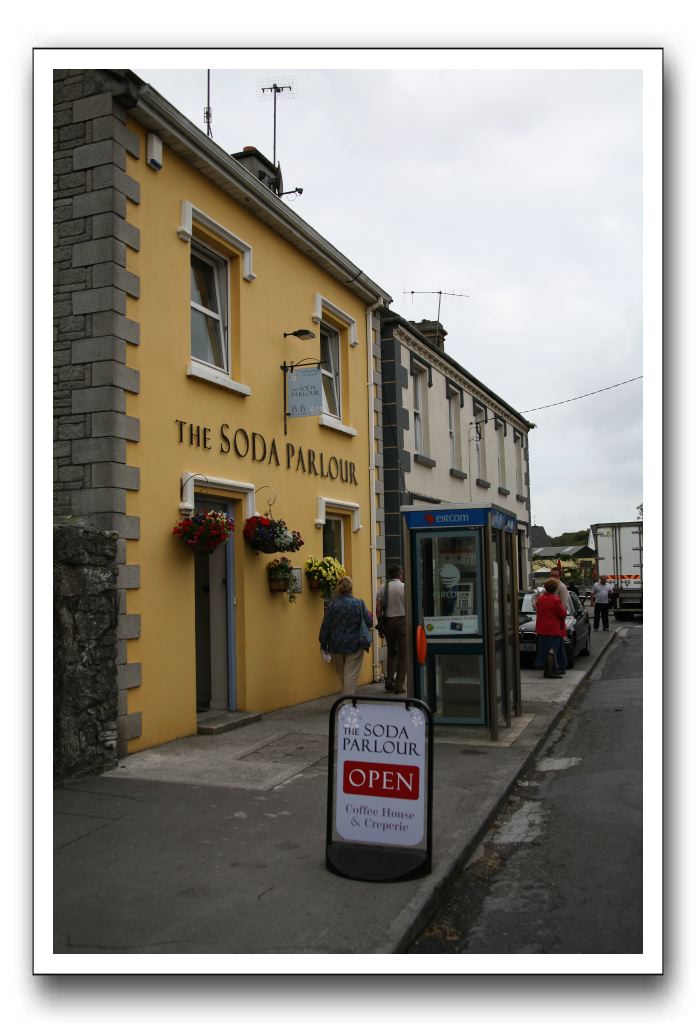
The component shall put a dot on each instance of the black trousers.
(603, 610)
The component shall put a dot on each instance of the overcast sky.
(521, 189)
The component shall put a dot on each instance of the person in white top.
(601, 592)
(391, 599)
(562, 591)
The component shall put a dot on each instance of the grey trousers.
(395, 635)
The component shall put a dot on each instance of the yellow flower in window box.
(323, 574)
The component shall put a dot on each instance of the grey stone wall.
(92, 236)
(85, 623)
(396, 460)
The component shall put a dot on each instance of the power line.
(589, 394)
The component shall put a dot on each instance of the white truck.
(619, 550)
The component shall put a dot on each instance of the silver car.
(578, 629)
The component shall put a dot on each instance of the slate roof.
(563, 552)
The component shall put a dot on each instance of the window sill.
(424, 460)
(336, 424)
(503, 491)
(521, 498)
(215, 376)
(483, 483)
(458, 474)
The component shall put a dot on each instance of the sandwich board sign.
(379, 806)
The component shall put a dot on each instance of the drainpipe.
(373, 470)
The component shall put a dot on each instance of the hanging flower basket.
(278, 585)
(323, 574)
(204, 531)
(279, 574)
(270, 536)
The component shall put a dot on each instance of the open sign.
(366, 779)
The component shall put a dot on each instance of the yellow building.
(198, 277)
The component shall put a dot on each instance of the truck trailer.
(619, 551)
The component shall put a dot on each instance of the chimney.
(261, 167)
(433, 330)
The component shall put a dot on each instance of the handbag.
(365, 634)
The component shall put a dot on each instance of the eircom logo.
(395, 781)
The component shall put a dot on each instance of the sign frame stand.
(363, 861)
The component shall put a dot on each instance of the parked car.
(578, 627)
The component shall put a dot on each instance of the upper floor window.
(500, 431)
(331, 370)
(480, 419)
(219, 261)
(339, 336)
(454, 404)
(452, 431)
(419, 406)
(519, 470)
(209, 308)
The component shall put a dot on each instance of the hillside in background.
(576, 539)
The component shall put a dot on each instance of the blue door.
(215, 622)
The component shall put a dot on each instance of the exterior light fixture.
(303, 335)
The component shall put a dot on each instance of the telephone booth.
(461, 565)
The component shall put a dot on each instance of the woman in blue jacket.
(345, 634)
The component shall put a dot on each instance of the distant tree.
(576, 539)
(639, 509)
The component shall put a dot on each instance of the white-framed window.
(209, 308)
(339, 336)
(500, 432)
(219, 261)
(454, 404)
(330, 370)
(451, 423)
(479, 428)
(419, 409)
(519, 468)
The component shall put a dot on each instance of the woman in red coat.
(550, 630)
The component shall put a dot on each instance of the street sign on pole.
(379, 807)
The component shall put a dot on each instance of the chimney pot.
(433, 330)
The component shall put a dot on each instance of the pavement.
(215, 843)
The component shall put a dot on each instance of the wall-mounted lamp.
(304, 335)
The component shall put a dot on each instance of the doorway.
(215, 622)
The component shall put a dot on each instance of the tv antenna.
(447, 294)
(208, 112)
(276, 89)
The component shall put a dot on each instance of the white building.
(445, 436)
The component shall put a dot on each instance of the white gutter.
(372, 471)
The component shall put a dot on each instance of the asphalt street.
(561, 870)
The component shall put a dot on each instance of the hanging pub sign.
(379, 806)
(304, 392)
